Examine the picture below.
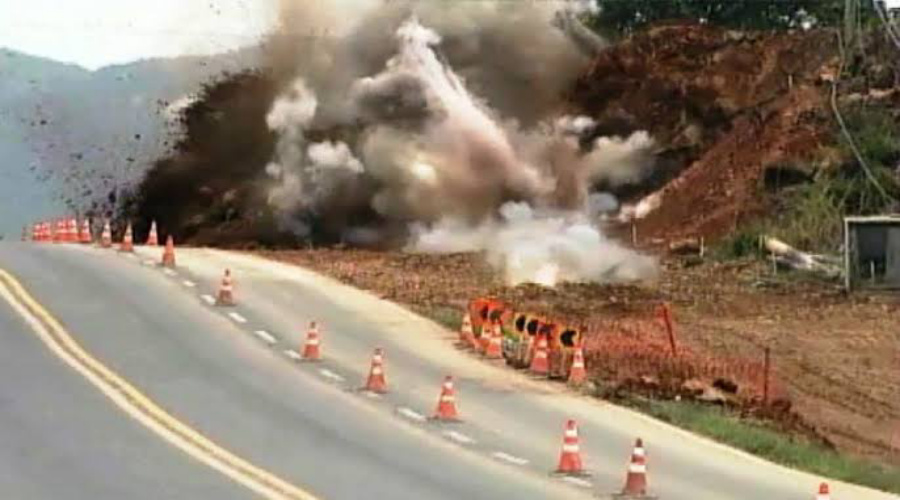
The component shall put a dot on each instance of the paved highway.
(59, 438)
(205, 370)
(304, 422)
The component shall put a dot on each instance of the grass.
(448, 317)
(762, 440)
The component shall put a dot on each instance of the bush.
(810, 216)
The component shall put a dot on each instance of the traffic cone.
(152, 238)
(127, 244)
(465, 331)
(377, 381)
(636, 480)
(59, 231)
(540, 364)
(577, 374)
(312, 347)
(42, 232)
(446, 407)
(168, 257)
(106, 236)
(225, 296)
(36, 232)
(47, 232)
(485, 337)
(494, 349)
(85, 235)
(570, 456)
(72, 230)
(824, 492)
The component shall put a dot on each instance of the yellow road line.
(138, 406)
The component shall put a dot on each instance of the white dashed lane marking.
(325, 372)
(578, 481)
(189, 284)
(266, 336)
(209, 299)
(506, 457)
(458, 437)
(169, 272)
(411, 414)
(292, 354)
(237, 317)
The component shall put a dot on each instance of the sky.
(97, 33)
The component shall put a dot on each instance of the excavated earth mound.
(725, 105)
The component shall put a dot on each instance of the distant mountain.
(68, 135)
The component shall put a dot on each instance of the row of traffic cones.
(570, 464)
(69, 231)
(489, 344)
(376, 381)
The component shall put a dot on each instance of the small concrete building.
(872, 252)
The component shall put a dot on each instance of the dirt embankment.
(725, 106)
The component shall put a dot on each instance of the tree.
(625, 16)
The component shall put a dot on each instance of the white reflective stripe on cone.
(637, 468)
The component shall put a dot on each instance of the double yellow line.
(138, 406)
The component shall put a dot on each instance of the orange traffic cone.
(225, 297)
(85, 235)
(377, 381)
(312, 348)
(106, 236)
(36, 232)
(72, 230)
(577, 374)
(47, 232)
(152, 238)
(127, 244)
(446, 407)
(465, 331)
(42, 232)
(636, 480)
(539, 363)
(570, 457)
(168, 257)
(485, 337)
(494, 349)
(59, 232)
(824, 492)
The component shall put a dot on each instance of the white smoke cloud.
(544, 248)
(334, 155)
(575, 125)
(431, 155)
(293, 110)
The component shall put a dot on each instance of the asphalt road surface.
(228, 374)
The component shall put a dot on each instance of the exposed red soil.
(724, 105)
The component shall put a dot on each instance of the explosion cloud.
(442, 140)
